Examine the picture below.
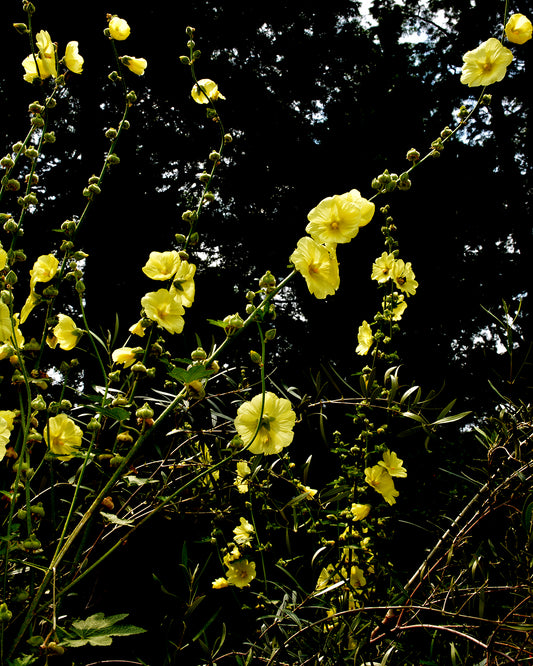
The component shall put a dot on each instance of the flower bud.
(180, 238)
(94, 425)
(268, 281)
(49, 137)
(112, 158)
(204, 177)
(144, 412)
(227, 139)
(214, 156)
(21, 28)
(38, 404)
(124, 438)
(255, 357)
(185, 60)
(198, 354)
(5, 613)
(270, 334)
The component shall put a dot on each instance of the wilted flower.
(62, 436)
(219, 583)
(404, 277)
(393, 464)
(268, 430)
(318, 265)
(518, 29)
(160, 306)
(240, 573)
(365, 339)
(73, 59)
(243, 533)
(337, 219)
(379, 478)
(485, 65)
(118, 28)
(208, 88)
(135, 65)
(137, 329)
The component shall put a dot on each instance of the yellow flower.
(28, 306)
(318, 265)
(485, 65)
(162, 265)
(3, 258)
(125, 355)
(518, 29)
(5, 434)
(62, 436)
(65, 333)
(382, 482)
(357, 578)
(137, 329)
(33, 68)
(118, 28)
(274, 425)
(160, 306)
(232, 555)
(243, 533)
(73, 59)
(47, 51)
(337, 219)
(382, 267)
(404, 277)
(399, 307)
(135, 65)
(9, 416)
(206, 87)
(360, 511)
(393, 464)
(219, 583)
(365, 339)
(241, 573)
(183, 288)
(44, 269)
(243, 470)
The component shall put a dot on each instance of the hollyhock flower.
(274, 423)
(62, 436)
(44, 269)
(135, 65)
(118, 28)
(318, 265)
(393, 464)
(518, 29)
(243, 533)
(240, 573)
(365, 339)
(160, 306)
(206, 87)
(357, 578)
(183, 289)
(486, 64)
(382, 267)
(5, 434)
(3, 258)
(65, 334)
(337, 219)
(125, 355)
(404, 277)
(73, 59)
(360, 511)
(379, 478)
(219, 583)
(162, 265)
(47, 52)
(243, 470)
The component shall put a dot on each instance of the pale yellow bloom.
(337, 219)
(357, 578)
(365, 339)
(6, 323)
(243, 470)
(47, 51)
(135, 65)
(125, 355)
(310, 492)
(62, 436)
(486, 64)
(232, 555)
(3, 258)
(44, 269)
(399, 307)
(119, 28)
(243, 533)
(5, 434)
(9, 416)
(65, 334)
(404, 277)
(183, 288)
(162, 265)
(137, 329)
(382, 267)
(161, 306)
(33, 68)
(318, 265)
(206, 87)
(393, 464)
(73, 59)
(360, 511)
(219, 583)
(240, 573)
(518, 29)
(267, 431)
(28, 306)
(379, 478)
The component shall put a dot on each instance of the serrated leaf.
(193, 374)
(216, 322)
(116, 413)
(100, 639)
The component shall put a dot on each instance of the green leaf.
(97, 621)
(415, 417)
(112, 518)
(217, 322)
(187, 376)
(115, 413)
(98, 630)
(451, 418)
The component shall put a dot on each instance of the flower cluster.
(239, 571)
(380, 476)
(44, 63)
(487, 64)
(336, 219)
(166, 306)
